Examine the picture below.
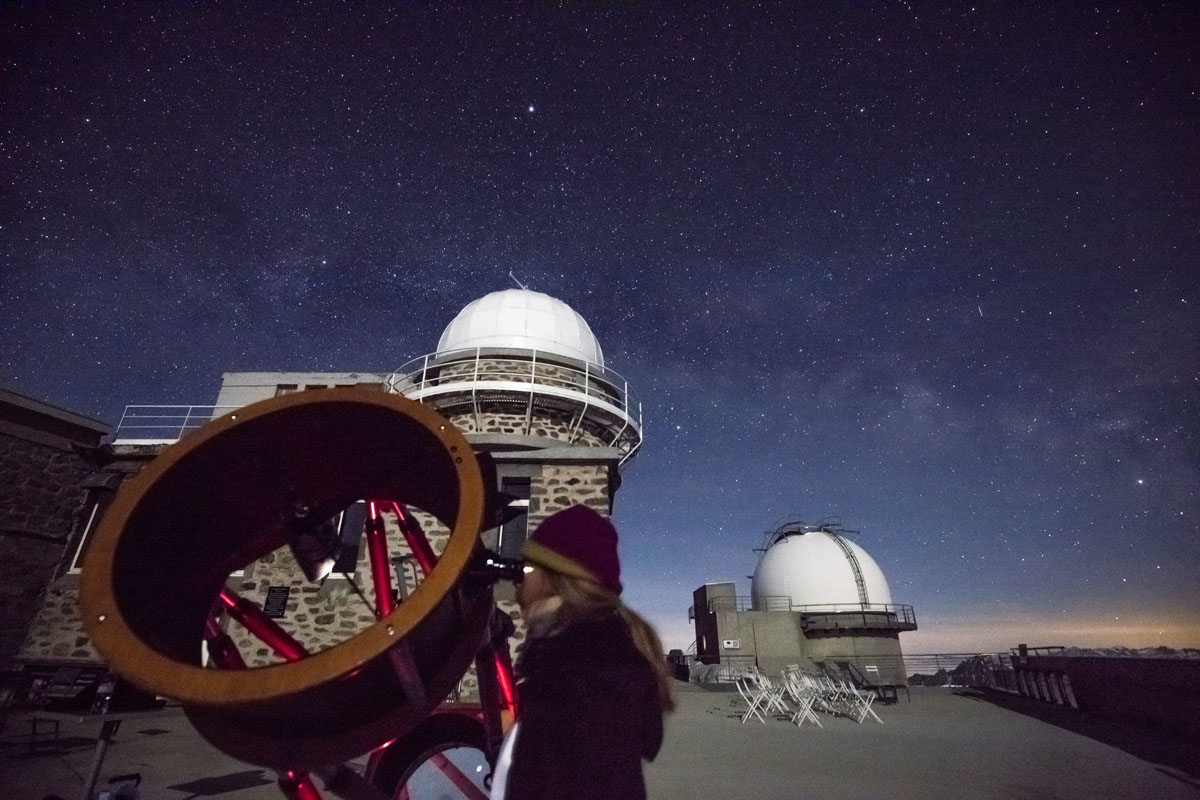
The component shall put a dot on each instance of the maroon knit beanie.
(578, 542)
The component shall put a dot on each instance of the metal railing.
(784, 603)
(951, 670)
(747, 603)
(865, 615)
(146, 424)
(1045, 650)
(728, 669)
(825, 616)
(979, 670)
(497, 375)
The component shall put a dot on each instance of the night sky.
(933, 271)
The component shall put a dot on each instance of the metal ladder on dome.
(854, 567)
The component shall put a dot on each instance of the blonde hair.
(585, 599)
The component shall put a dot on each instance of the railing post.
(121, 424)
(532, 393)
(475, 386)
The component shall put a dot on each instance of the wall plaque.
(276, 604)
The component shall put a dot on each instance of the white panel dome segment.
(521, 319)
(811, 569)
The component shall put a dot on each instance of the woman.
(593, 684)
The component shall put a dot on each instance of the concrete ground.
(941, 745)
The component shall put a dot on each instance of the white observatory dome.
(811, 568)
(519, 318)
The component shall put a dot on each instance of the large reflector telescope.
(242, 487)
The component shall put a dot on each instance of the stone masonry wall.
(320, 616)
(559, 487)
(544, 425)
(39, 488)
(39, 499)
(56, 631)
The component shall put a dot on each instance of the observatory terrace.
(944, 744)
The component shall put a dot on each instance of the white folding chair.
(772, 694)
(815, 690)
(851, 698)
(856, 702)
(828, 695)
(753, 697)
(803, 695)
(865, 699)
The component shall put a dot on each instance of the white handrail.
(473, 371)
(163, 424)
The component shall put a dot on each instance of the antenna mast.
(517, 282)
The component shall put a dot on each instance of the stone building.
(40, 476)
(522, 376)
(816, 597)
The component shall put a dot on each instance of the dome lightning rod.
(517, 282)
(269, 475)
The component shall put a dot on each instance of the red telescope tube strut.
(381, 573)
(506, 685)
(416, 539)
(262, 626)
(221, 648)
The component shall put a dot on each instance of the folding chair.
(855, 704)
(803, 696)
(830, 696)
(863, 708)
(772, 694)
(753, 697)
(851, 698)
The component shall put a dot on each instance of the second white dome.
(813, 570)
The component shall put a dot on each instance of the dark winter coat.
(589, 713)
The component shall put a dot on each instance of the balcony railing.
(866, 616)
(517, 376)
(826, 616)
(144, 424)
(747, 603)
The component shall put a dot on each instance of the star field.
(933, 271)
